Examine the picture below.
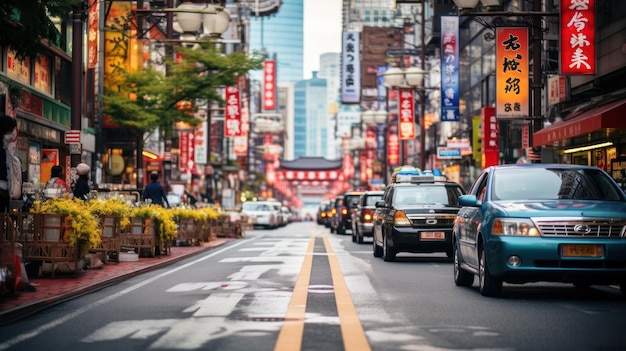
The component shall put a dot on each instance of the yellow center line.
(351, 328)
(290, 337)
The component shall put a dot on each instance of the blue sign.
(450, 69)
(449, 152)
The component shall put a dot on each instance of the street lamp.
(492, 10)
(194, 22)
(411, 77)
(190, 16)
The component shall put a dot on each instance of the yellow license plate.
(581, 250)
(432, 235)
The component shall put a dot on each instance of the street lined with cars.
(282, 289)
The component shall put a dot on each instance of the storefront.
(595, 136)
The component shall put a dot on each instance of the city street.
(300, 287)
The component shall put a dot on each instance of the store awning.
(612, 115)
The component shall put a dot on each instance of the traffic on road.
(301, 287)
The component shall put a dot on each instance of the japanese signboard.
(232, 113)
(16, 69)
(93, 34)
(512, 79)
(42, 73)
(269, 85)
(450, 68)
(406, 117)
(186, 161)
(578, 38)
(491, 138)
(201, 143)
(393, 146)
(351, 68)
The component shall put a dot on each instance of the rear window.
(252, 206)
(352, 200)
(370, 200)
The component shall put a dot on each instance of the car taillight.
(400, 219)
(333, 211)
(323, 214)
(344, 211)
(367, 215)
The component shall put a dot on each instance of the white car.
(261, 213)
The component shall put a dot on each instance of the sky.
(322, 31)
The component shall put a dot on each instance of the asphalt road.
(301, 288)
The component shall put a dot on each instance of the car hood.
(562, 208)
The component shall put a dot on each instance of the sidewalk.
(54, 290)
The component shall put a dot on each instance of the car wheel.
(389, 253)
(378, 251)
(332, 229)
(489, 286)
(461, 277)
(340, 229)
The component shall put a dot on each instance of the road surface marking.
(65, 319)
(352, 332)
(290, 336)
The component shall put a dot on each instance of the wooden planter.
(110, 239)
(141, 236)
(45, 238)
(7, 255)
(188, 233)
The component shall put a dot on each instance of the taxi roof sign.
(411, 174)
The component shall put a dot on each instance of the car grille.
(587, 228)
(435, 221)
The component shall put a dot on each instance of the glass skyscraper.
(281, 36)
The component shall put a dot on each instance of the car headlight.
(400, 219)
(514, 227)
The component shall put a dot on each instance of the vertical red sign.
(393, 146)
(232, 113)
(491, 138)
(186, 156)
(406, 118)
(269, 85)
(578, 37)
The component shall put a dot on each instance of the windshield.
(426, 195)
(553, 184)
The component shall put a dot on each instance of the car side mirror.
(380, 204)
(469, 200)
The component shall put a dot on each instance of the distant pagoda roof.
(311, 163)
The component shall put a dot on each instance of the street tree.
(146, 100)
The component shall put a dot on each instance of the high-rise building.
(281, 36)
(330, 70)
(311, 117)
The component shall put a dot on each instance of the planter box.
(110, 239)
(44, 240)
(140, 236)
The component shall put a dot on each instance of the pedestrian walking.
(81, 188)
(155, 192)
